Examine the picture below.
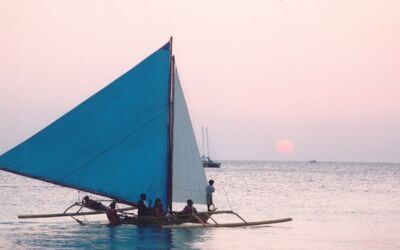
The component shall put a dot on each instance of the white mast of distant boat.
(208, 149)
(206, 154)
(202, 140)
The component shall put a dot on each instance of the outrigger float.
(134, 136)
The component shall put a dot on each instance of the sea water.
(333, 206)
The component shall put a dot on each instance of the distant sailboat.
(205, 158)
(134, 136)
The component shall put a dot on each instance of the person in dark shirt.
(144, 209)
(92, 204)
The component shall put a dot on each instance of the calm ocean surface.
(334, 206)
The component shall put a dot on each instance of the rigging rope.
(227, 198)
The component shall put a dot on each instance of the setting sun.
(284, 146)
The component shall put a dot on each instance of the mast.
(170, 127)
(208, 149)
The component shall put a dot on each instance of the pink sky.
(323, 74)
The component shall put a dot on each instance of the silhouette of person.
(112, 215)
(158, 210)
(189, 208)
(210, 190)
(144, 209)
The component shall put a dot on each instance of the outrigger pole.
(36, 216)
(200, 223)
(70, 214)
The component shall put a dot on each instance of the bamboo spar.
(36, 216)
(238, 224)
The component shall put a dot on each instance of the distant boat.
(132, 137)
(205, 159)
(313, 161)
(208, 163)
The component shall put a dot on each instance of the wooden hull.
(211, 165)
(173, 220)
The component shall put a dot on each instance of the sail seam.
(113, 146)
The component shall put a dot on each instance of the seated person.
(92, 204)
(144, 209)
(189, 209)
(158, 210)
(112, 214)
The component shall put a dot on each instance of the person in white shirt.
(210, 190)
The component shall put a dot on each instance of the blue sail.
(114, 144)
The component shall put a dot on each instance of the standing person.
(210, 191)
(144, 209)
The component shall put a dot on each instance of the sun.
(284, 146)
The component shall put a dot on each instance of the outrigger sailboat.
(134, 136)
